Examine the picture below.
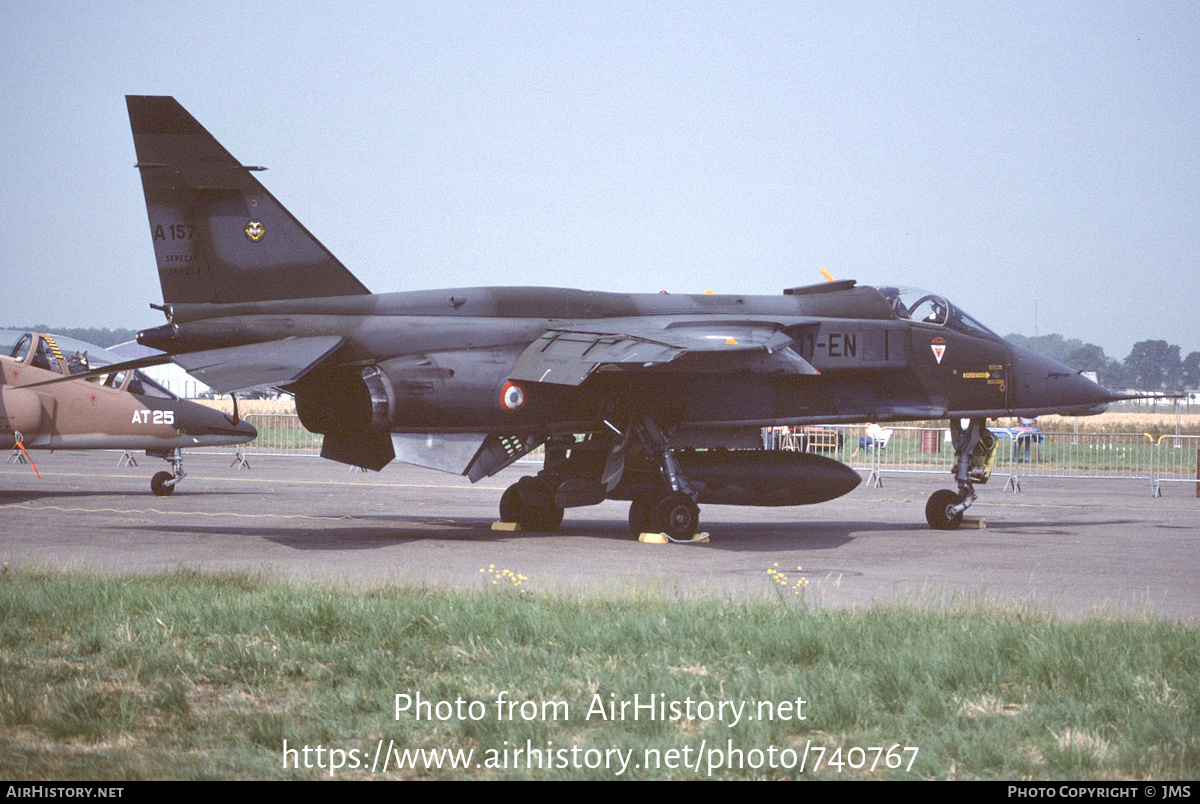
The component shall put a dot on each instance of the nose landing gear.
(163, 483)
(974, 455)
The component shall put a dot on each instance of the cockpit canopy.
(56, 352)
(915, 304)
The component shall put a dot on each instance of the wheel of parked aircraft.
(936, 510)
(639, 514)
(158, 484)
(675, 515)
(510, 504)
(513, 508)
(546, 518)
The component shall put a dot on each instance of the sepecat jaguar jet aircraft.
(655, 399)
(60, 393)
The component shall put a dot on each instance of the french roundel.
(512, 396)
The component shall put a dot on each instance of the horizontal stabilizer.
(257, 365)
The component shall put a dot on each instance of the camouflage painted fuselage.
(447, 356)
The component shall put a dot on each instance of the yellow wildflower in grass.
(782, 579)
(506, 577)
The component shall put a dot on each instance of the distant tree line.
(1150, 365)
(102, 337)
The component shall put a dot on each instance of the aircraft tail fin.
(218, 235)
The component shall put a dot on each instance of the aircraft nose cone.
(1041, 385)
(215, 427)
(246, 430)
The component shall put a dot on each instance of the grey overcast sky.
(1038, 163)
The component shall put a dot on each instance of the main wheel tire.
(936, 510)
(514, 508)
(511, 505)
(536, 492)
(544, 518)
(675, 515)
(639, 514)
(158, 484)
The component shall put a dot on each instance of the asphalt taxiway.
(1072, 546)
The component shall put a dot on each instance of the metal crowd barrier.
(1064, 455)
(1129, 455)
(1170, 459)
(1177, 461)
(281, 434)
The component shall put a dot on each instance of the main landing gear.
(662, 501)
(537, 503)
(163, 483)
(530, 503)
(669, 505)
(974, 454)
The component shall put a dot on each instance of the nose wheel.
(158, 484)
(939, 511)
(163, 483)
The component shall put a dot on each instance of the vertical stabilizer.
(218, 235)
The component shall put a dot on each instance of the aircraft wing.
(257, 365)
(567, 356)
(111, 368)
(236, 368)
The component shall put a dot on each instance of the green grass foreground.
(195, 676)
